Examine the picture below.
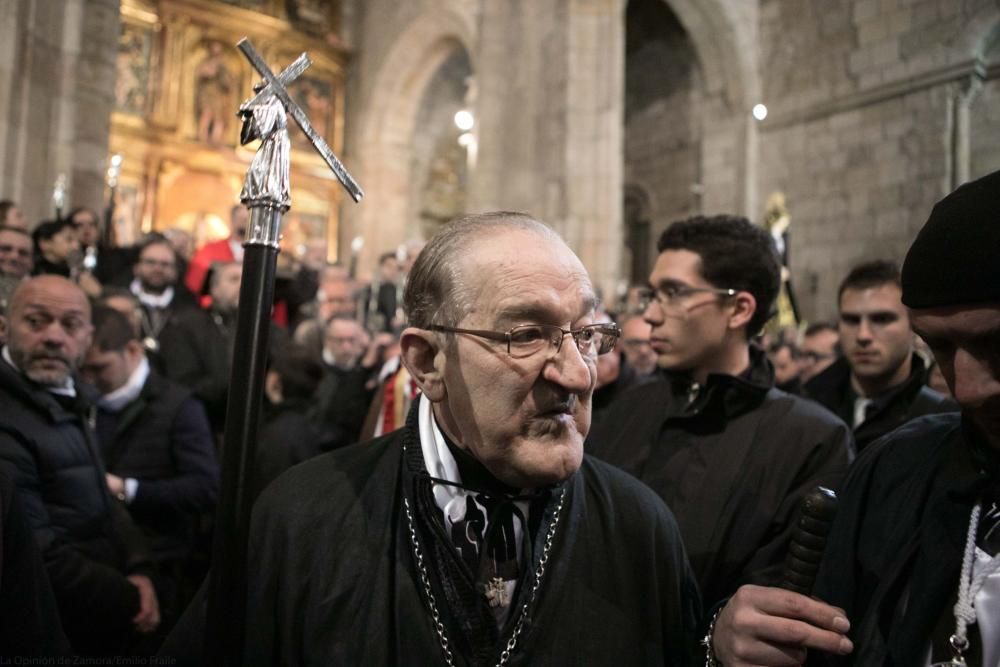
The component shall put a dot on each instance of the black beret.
(955, 258)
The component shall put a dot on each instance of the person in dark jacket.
(196, 347)
(94, 555)
(160, 294)
(29, 618)
(909, 574)
(731, 455)
(289, 434)
(880, 382)
(157, 446)
(55, 245)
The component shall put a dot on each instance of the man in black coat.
(156, 443)
(731, 455)
(93, 554)
(160, 294)
(918, 519)
(196, 347)
(880, 382)
(29, 618)
(478, 533)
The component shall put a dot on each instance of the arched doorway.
(401, 128)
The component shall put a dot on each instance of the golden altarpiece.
(179, 83)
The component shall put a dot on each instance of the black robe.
(895, 550)
(333, 580)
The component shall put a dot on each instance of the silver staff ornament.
(266, 194)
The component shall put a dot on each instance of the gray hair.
(436, 291)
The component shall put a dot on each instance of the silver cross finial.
(274, 87)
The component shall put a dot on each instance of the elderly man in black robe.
(910, 575)
(478, 533)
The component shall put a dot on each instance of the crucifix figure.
(267, 179)
(266, 193)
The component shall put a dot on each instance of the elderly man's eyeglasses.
(527, 340)
(671, 296)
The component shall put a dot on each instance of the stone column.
(57, 70)
(550, 121)
(94, 94)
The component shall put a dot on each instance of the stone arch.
(724, 38)
(726, 54)
(381, 152)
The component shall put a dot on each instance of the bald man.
(93, 554)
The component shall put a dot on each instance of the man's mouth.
(559, 409)
(49, 359)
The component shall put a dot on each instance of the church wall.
(866, 125)
(56, 92)
(398, 48)
(662, 122)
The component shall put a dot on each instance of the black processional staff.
(266, 194)
(805, 552)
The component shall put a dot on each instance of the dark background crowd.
(155, 375)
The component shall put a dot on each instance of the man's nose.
(570, 370)
(864, 330)
(653, 314)
(974, 381)
(54, 335)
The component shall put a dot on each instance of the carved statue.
(267, 179)
(214, 88)
(777, 221)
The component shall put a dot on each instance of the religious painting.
(215, 94)
(133, 64)
(315, 96)
(312, 16)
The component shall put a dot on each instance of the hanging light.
(464, 120)
(759, 111)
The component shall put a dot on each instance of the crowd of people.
(467, 525)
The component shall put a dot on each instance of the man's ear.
(423, 358)
(744, 306)
(134, 349)
(3, 328)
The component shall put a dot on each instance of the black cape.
(333, 580)
(895, 550)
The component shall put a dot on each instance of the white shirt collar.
(437, 457)
(237, 249)
(151, 300)
(128, 392)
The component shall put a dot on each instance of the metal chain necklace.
(432, 602)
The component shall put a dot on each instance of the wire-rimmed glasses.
(526, 340)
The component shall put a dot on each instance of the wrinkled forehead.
(522, 273)
(57, 297)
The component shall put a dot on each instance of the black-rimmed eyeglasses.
(527, 340)
(673, 295)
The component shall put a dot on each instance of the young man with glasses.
(729, 453)
(479, 533)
